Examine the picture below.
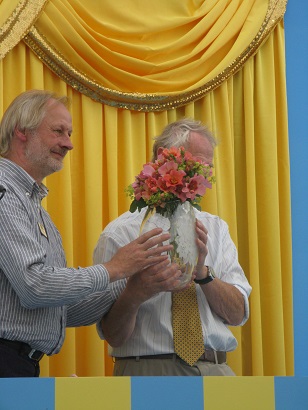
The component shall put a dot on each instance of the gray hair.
(177, 134)
(25, 112)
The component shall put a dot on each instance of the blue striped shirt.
(39, 295)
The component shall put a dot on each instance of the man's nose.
(67, 142)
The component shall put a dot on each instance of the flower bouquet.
(170, 187)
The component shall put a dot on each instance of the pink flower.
(167, 167)
(148, 170)
(196, 186)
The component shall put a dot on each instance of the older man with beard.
(39, 295)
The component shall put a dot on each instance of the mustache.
(62, 151)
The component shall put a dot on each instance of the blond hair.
(25, 113)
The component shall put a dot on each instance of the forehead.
(57, 112)
(201, 147)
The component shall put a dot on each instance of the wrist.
(202, 273)
(210, 275)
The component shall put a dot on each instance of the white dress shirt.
(153, 331)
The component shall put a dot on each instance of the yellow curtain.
(148, 56)
(248, 113)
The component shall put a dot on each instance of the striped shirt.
(39, 295)
(153, 330)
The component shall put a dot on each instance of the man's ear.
(21, 135)
(160, 150)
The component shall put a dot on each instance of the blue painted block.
(165, 393)
(27, 394)
(291, 393)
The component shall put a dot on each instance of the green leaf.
(137, 205)
(133, 206)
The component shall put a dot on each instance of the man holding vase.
(142, 327)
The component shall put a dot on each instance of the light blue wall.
(296, 33)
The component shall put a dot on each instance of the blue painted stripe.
(27, 394)
(153, 393)
(291, 393)
(296, 34)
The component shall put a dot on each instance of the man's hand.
(138, 254)
(202, 247)
(162, 277)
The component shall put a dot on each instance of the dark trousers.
(12, 364)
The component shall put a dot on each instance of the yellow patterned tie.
(186, 323)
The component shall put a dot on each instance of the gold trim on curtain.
(16, 19)
(160, 57)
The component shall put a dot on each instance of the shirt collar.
(23, 179)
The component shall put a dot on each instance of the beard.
(39, 156)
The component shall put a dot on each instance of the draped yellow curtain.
(147, 56)
(248, 113)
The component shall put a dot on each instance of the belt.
(23, 349)
(208, 356)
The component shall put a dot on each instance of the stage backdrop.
(132, 70)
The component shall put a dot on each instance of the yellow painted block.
(92, 393)
(239, 393)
